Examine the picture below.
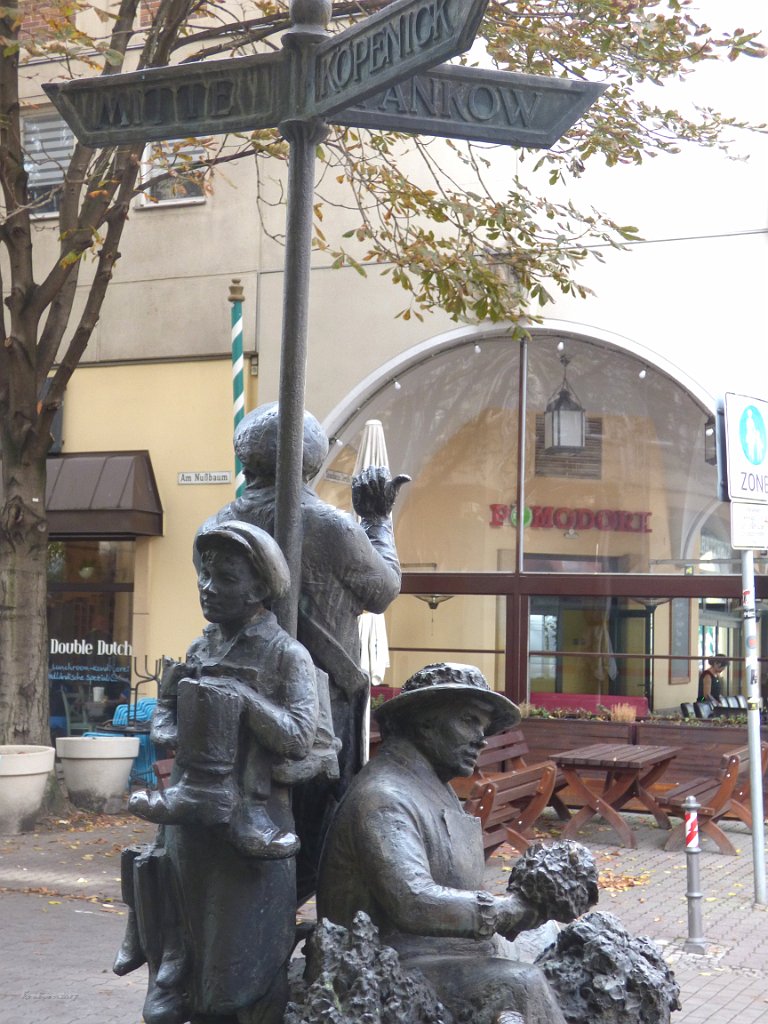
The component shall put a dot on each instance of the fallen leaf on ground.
(610, 881)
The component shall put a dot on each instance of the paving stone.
(58, 942)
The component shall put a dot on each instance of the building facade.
(622, 578)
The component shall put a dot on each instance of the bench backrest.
(738, 761)
(503, 752)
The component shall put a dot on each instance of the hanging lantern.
(710, 442)
(565, 420)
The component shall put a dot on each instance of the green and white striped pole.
(238, 395)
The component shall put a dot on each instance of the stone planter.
(24, 771)
(97, 769)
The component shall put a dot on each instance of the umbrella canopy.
(374, 646)
(373, 447)
(374, 656)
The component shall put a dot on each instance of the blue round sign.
(752, 434)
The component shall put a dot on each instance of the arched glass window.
(634, 498)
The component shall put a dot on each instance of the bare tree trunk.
(24, 702)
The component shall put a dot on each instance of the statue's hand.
(374, 492)
(173, 673)
(515, 915)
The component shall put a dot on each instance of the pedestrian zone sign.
(746, 438)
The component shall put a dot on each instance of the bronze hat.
(434, 684)
(261, 550)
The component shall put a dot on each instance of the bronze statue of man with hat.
(402, 850)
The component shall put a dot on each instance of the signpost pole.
(753, 722)
(746, 463)
(303, 137)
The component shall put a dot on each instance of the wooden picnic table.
(629, 772)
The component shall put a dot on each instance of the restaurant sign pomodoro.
(551, 517)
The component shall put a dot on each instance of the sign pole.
(753, 722)
(303, 137)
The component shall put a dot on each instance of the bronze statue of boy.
(214, 898)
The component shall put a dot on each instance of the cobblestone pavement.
(61, 921)
(645, 888)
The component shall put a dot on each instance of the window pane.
(452, 426)
(90, 561)
(48, 143)
(446, 627)
(640, 496)
(172, 163)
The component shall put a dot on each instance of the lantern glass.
(710, 442)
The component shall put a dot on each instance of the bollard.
(695, 943)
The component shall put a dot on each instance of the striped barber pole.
(691, 830)
(238, 392)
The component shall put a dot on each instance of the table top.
(614, 755)
(130, 728)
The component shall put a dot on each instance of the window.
(173, 165)
(48, 143)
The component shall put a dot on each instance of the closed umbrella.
(374, 647)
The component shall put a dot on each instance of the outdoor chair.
(75, 713)
(686, 709)
(702, 709)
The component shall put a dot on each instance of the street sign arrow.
(242, 94)
(398, 41)
(501, 107)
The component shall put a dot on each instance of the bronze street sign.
(469, 103)
(243, 94)
(402, 38)
(249, 93)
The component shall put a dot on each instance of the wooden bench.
(519, 787)
(721, 794)
(509, 805)
(508, 752)
(162, 770)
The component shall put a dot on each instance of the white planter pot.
(24, 771)
(96, 770)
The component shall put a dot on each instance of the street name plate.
(204, 476)
(749, 526)
(501, 107)
(398, 41)
(241, 94)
